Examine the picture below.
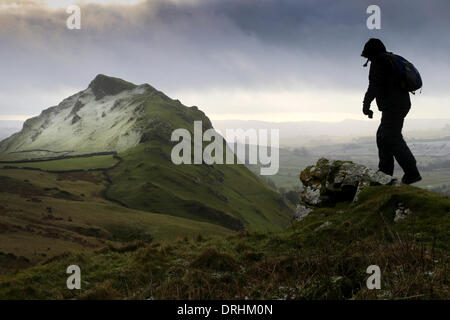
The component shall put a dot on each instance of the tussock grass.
(303, 262)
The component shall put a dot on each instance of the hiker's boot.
(411, 178)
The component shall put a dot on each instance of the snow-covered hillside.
(101, 118)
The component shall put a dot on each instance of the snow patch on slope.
(83, 124)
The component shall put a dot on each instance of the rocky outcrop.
(333, 181)
(104, 86)
(328, 182)
(75, 119)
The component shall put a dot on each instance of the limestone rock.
(333, 181)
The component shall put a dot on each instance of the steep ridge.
(137, 122)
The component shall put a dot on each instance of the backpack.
(409, 76)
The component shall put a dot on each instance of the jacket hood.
(372, 48)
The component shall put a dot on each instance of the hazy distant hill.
(316, 132)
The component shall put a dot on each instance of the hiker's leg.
(401, 151)
(404, 157)
(384, 144)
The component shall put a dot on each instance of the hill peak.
(103, 85)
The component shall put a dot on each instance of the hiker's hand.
(368, 112)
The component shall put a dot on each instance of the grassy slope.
(43, 214)
(223, 194)
(148, 181)
(311, 259)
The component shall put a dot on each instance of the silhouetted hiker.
(394, 103)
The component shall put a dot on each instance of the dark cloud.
(255, 44)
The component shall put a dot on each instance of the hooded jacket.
(383, 80)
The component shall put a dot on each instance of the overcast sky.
(273, 60)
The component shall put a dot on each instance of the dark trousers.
(391, 144)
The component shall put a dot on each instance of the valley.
(432, 157)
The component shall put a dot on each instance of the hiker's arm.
(377, 83)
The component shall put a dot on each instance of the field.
(435, 175)
(435, 178)
(79, 163)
